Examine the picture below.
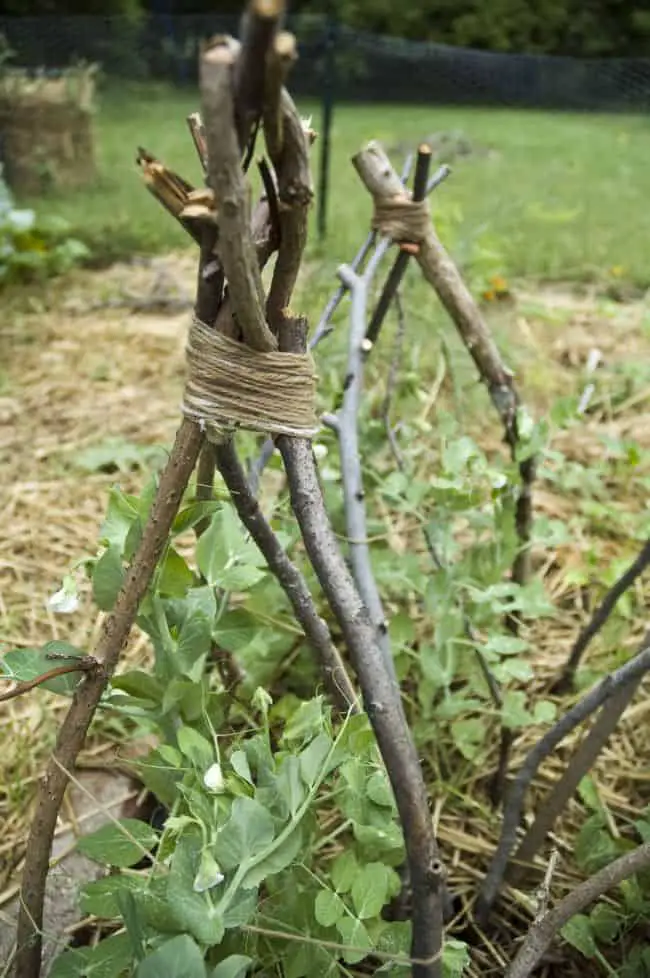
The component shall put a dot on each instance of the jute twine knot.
(230, 386)
(401, 219)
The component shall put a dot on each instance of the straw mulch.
(47, 128)
(82, 370)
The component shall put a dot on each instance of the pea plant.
(290, 730)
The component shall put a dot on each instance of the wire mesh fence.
(357, 66)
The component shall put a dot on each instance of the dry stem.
(236, 248)
(72, 734)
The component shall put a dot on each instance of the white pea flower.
(209, 873)
(320, 451)
(262, 700)
(65, 600)
(213, 778)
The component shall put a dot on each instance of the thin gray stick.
(584, 708)
(438, 563)
(346, 425)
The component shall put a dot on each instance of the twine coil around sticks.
(401, 219)
(231, 386)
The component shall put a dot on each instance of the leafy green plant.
(242, 853)
(33, 247)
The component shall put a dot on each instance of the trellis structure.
(255, 334)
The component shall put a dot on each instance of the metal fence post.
(327, 112)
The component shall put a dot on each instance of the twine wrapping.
(230, 386)
(401, 219)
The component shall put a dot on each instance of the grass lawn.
(559, 196)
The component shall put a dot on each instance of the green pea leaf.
(328, 908)
(354, 934)
(140, 684)
(469, 736)
(180, 957)
(226, 558)
(194, 913)
(379, 790)
(343, 872)
(247, 833)
(108, 576)
(122, 512)
(193, 514)
(606, 923)
(23, 665)
(70, 964)
(100, 897)
(289, 784)
(372, 888)
(234, 966)
(120, 844)
(111, 958)
(455, 958)
(544, 711)
(312, 759)
(504, 645)
(175, 577)
(195, 748)
(305, 722)
(514, 712)
(240, 766)
(282, 856)
(578, 933)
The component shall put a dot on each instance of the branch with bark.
(83, 664)
(379, 178)
(577, 768)
(381, 696)
(72, 734)
(544, 930)
(619, 684)
(383, 184)
(324, 326)
(176, 195)
(289, 577)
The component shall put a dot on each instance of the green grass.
(558, 196)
